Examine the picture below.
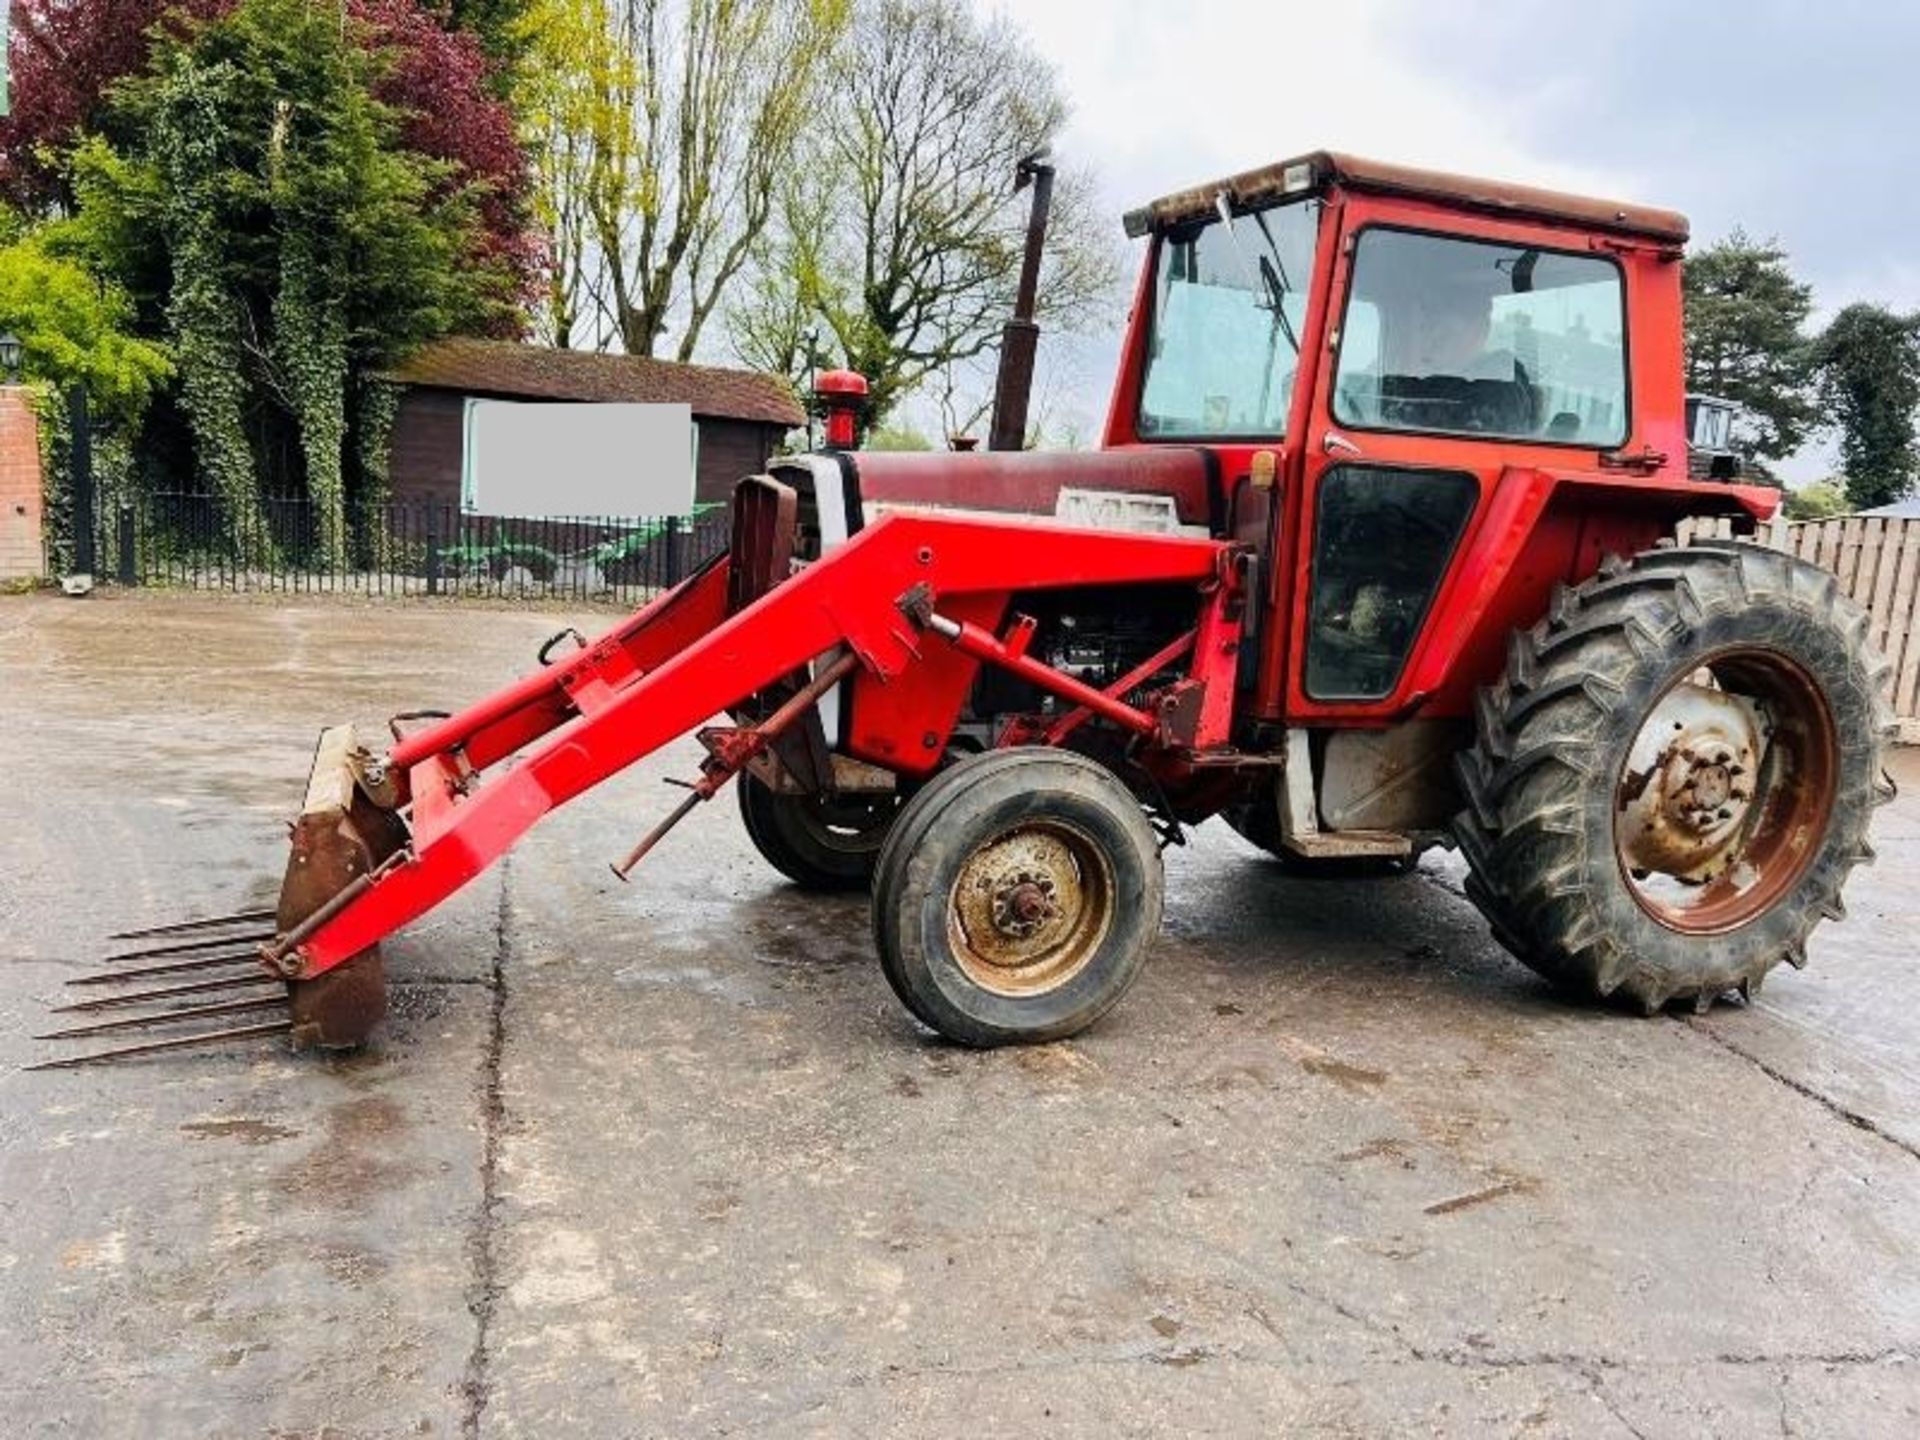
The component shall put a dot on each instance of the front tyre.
(1017, 896)
(1670, 785)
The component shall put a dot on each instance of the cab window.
(1223, 339)
(1465, 337)
(1382, 541)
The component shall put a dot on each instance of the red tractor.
(1374, 557)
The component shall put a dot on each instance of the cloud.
(1169, 96)
(1791, 120)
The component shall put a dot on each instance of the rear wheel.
(1017, 897)
(1669, 787)
(820, 842)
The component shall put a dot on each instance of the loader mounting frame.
(905, 599)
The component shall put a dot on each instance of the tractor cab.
(1398, 374)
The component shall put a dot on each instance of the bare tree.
(664, 129)
(900, 235)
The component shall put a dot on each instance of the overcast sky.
(1800, 121)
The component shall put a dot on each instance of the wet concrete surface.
(668, 1158)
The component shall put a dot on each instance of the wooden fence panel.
(1877, 561)
(1901, 647)
(1880, 603)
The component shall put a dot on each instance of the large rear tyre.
(1669, 787)
(820, 842)
(1017, 896)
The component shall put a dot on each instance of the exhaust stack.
(1021, 339)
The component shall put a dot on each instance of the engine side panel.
(1059, 485)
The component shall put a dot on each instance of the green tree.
(1745, 317)
(501, 28)
(1868, 364)
(900, 235)
(303, 244)
(897, 437)
(74, 329)
(1821, 500)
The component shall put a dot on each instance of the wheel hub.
(1021, 907)
(1689, 783)
(1708, 787)
(1725, 791)
(1029, 908)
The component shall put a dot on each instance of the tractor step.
(1349, 845)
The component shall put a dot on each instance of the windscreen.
(1229, 306)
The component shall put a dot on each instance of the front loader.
(1374, 557)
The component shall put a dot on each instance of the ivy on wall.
(311, 348)
(113, 478)
(376, 407)
(188, 109)
(305, 246)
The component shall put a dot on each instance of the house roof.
(1321, 168)
(1906, 508)
(503, 367)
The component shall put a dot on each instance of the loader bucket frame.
(346, 831)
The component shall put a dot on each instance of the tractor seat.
(1453, 402)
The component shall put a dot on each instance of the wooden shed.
(742, 416)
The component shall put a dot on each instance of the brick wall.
(22, 555)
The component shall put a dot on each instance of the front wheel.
(1670, 785)
(1017, 896)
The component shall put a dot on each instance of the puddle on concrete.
(356, 1157)
(1343, 1074)
(247, 1131)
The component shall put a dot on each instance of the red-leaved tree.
(67, 54)
(64, 54)
(439, 78)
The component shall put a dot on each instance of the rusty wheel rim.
(1724, 795)
(1030, 907)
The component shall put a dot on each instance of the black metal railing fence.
(400, 549)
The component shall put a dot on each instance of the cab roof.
(1320, 169)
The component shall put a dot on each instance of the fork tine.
(155, 952)
(211, 922)
(139, 997)
(212, 1037)
(172, 967)
(171, 1017)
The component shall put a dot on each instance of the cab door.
(1460, 351)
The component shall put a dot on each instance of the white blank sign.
(533, 459)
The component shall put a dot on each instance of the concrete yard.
(668, 1159)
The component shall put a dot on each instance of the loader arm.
(679, 662)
